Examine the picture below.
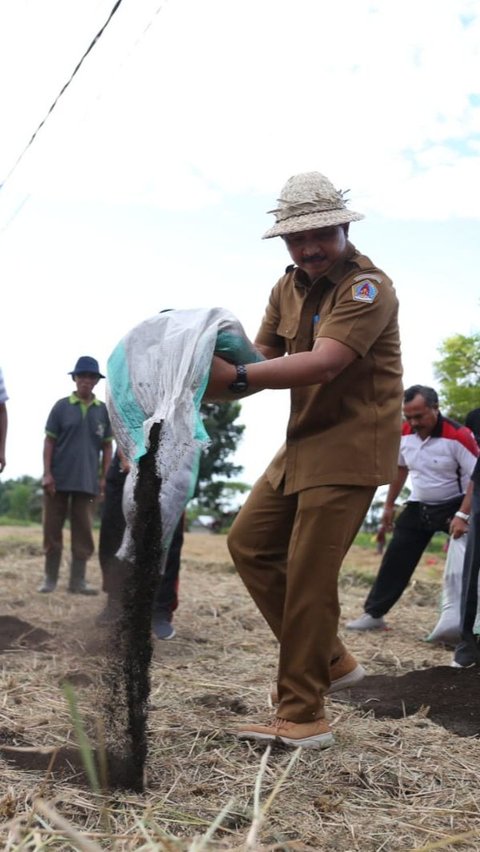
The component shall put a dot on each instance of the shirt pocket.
(288, 327)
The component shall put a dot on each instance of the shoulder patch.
(364, 291)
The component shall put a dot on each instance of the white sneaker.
(366, 622)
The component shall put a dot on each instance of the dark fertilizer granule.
(130, 651)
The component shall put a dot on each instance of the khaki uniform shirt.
(346, 432)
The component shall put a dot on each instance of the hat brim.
(310, 221)
(76, 372)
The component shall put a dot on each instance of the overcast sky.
(149, 183)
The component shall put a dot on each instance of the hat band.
(290, 214)
(304, 208)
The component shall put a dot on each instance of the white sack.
(158, 374)
(448, 627)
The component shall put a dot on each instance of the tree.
(375, 511)
(213, 493)
(458, 370)
(21, 499)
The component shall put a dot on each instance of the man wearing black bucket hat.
(334, 314)
(78, 436)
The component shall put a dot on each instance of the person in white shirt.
(439, 454)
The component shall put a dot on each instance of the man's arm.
(3, 434)
(466, 454)
(48, 482)
(459, 526)
(107, 452)
(321, 365)
(392, 494)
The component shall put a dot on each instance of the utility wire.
(61, 92)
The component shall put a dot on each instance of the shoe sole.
(320, 741)
(89, 593)
(455, 665)
(165, 638)
(382, 626)
(349, 679)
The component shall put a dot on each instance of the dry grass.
(388, 785)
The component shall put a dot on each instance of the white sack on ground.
(447, 629)
(158, 374)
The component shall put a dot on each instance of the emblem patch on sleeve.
(364, 291)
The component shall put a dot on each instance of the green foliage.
(219, 421)
(458, 371)
(366, 539)
(21, 499)
(86, 750)
(214, 495)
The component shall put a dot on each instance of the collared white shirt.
(440, 466)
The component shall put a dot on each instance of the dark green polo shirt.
(80, 432)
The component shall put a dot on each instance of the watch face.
(238, 387)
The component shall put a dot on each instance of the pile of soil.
(451, 695)
(63, 763)
(14, 632)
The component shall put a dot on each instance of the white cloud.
(147, 185)
(219, 98)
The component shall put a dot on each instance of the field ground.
(404, 783)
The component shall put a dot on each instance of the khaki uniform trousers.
(288, 550)
(79, 507)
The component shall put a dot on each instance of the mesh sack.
(157, 374)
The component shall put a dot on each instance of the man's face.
(317, 250)
(85, 383)
(420, 416)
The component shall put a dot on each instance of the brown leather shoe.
(344, 672)
(315, 734)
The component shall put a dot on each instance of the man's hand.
(458, 527)
(387, 518)
(48, 484)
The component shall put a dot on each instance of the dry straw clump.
(389, 784)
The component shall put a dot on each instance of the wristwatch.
(463, 516)
(240, 385)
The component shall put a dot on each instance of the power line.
(61, 92)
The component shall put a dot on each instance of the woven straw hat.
(309, 201)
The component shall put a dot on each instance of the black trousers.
(412, 533)
(114, 571)
(468, 650)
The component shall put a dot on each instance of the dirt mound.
(15, 631)
(452, 696)
(64, 763)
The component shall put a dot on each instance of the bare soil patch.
(14, 631)
(60, 763)
(400, 777)
(449, 696)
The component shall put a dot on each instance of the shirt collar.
(74, 399)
